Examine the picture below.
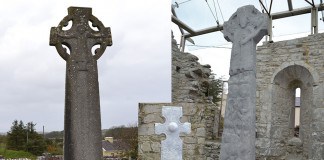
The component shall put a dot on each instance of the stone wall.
(281, 68)
(190, 82)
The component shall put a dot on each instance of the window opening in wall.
(297, 112)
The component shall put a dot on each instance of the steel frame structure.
(313, 9)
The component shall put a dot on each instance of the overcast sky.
(135, 69)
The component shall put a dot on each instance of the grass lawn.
(15, 154)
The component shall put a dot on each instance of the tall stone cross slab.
(171, 147)
(244, 29)
(82, 122)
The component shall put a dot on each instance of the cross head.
(80, 38)
(171, 147)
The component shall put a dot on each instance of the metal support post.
(314, 20)
(220, 110)
(290, 6)
(270, 29)
(182, 43)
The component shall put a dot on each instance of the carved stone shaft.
(244, 29)
(171, 147)
(82, 122)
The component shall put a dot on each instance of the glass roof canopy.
(202, 14)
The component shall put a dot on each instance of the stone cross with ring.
(82, 122)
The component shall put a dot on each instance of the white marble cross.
(171, 147)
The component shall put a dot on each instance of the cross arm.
(55, 40)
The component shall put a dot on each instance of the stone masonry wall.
(190, 82)
(281, 67)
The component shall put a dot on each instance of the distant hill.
(54, 135)
(60, 134)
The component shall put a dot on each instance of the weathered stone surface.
(295, 142)
(82, 126)
(212, 150)
(189, 91)
(245, 29)
(281, 68)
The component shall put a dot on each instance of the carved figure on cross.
(171, 147)
(244, 29)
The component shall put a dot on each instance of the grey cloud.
(135, 69)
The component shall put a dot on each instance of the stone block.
(189, 140)
(262, 142)
(201, 132)
(145, 147)
(156, 147)
(200, 140)
(318, 136)
(279, 132)
(146, 129)
(317, 151)
(317, 126)
(189, 110)
(319, 114)
(151, 108)
(153, 118)
(295, 142)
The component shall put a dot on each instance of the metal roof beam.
(284, 14)
(312, 4)
(264, 7)
(270, 6)
(204, 31)
(181, 24)
(295, 12)
(175, 14)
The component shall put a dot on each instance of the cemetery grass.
(15, 154)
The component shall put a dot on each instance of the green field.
(15, 154)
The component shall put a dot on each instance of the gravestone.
(82, 124)
(245, 29)
(171, 147)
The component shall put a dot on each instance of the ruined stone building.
(190, 82)
(282, 67)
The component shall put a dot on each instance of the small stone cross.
(172, 146)
(82, 122)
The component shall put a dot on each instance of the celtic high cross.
(244, 29)
(171, 147)
(82, 122)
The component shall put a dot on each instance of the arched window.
(297, 112)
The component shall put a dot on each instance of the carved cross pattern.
(245, 29)
(246, 24)
(80, 38)
(172, 146)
